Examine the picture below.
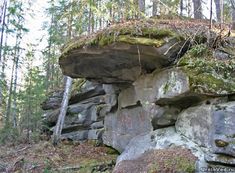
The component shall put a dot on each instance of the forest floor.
(43, 157)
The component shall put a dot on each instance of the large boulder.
(223, 129)
(123, 125)
(165, 138)
(149, 75)
(195, 123)
(121, 53)
(211, 126)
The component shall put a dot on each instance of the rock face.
(84, 119)
(123, 125)
(156, 91)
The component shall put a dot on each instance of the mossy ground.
(208, 74)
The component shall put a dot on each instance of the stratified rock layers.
(159, 89)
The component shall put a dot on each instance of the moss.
(179, 163)
(185, 165)
(140, 32)
(208, 75)
(92, 165)
(221, 143)
(111, 151)
(141, 40)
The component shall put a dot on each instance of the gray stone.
(127, 98)
(53, 101)
(223, 129)
(160, 139)
(119, 62)
(195, 123)
(210, 126)
(72, 128)
(111, 88)
(87, 94)
(220, 159)
(97, 125)
(162, 116)
(95, 134)
(76, 108)
(122, 126)
(86, 117)
(170, 84)
(50, 117)
(76, 135)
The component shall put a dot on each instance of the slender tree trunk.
(233, 19)
(8, 112)
(89, 18)
(141, 4)
(197, 4)
(181, 7)
(155, 6)
(48, 65)
(1, 47)
(92, 18)
(211, 12)
(218, 10)
(221, 13)
(14, 90)
(29, 111)
(63, 111)
(189, 8)
(3, 28)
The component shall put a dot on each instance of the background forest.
(28, 73)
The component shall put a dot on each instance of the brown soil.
(66, 157)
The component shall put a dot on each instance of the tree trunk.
(89, 18)
(189, 8)
(14, 90)
(233, 19)
(155, 6)
(8, 109)
(221, 13)
(141, 4)
(233, 14)
(3, 18)
(211, 12)
(181, 7)
(197, 4)
(63, 111)
(1, 46)
(218, 10)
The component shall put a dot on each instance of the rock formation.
(160, 85)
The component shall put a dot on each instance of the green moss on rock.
(141, 40)
(207, 74)
(141, 32)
